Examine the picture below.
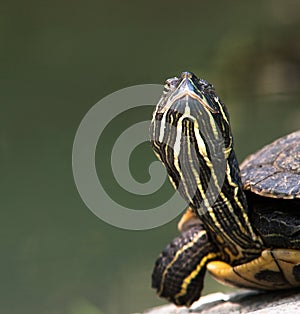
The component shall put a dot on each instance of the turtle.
(242, 224)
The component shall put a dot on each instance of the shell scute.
(274, 171)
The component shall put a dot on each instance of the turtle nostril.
(186, 74)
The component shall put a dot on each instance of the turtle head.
(189, 98)
(180, 269)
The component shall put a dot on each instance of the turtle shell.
(274, 171)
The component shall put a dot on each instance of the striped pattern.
(190, 134)
(179, 271)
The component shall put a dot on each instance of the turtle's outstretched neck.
(191, 135)
(228, 218)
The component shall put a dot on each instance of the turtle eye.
(203, 82)
(205, 85)
(172, 82)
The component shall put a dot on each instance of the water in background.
(57, 60)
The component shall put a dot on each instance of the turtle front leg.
(180, 269)
(189, 219)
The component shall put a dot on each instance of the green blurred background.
(58, 58)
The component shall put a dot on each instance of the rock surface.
(243, 301)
